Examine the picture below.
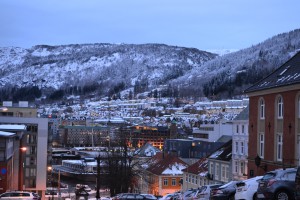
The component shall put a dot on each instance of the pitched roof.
(147, 150)
(287, 74)
(166, 164)
(244, 115)
(199, 167)
(224, 153)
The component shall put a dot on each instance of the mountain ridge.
(107, 69)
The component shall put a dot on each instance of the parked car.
(204, 193)
(224, 192)
(277, 184)
(191, 194)
(247, 189)
(117, 196)
(131, 196)
(172, 196)
(20, 195)
(149, 196)
(297, 184)
(188, 194)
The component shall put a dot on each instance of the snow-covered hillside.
(78, 65)
(113, 68)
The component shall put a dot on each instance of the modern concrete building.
(32, 172)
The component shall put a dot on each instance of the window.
(242, 165)
(262, 109)
(261, 145)
(237, 129)
(242, 148)
(236, 147)
(217, 172)
(173, 181)
(243, 129)
(236, 165)
(211, 168)
(165, 181)
(223, 172)
(2, 155)
(279, 147)
(280, 108)
(227, 173)
(193, 179)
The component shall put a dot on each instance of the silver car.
(204, 193)
(20, 195)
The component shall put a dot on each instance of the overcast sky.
(203, 24)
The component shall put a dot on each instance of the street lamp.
(17, 167)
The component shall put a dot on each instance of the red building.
(274, 119)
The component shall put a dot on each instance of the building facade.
(240, 139)
(274, 119)
(35, 158)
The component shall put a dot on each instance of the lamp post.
(17, 156)
(51, 181)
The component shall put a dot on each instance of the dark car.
(297, 184)
(277, 184)
(224, 192)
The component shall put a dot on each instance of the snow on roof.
(174, 169)
(6, 134)
(12, 127)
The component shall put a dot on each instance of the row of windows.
(194, 179)
(173, 182)
(239, 148)
(224, 176)
(279, 108)
(279, 145)
(239, 167)
(240, 129)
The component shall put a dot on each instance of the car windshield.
(231, 183)
(268, 176)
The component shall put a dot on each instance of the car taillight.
(270, 182)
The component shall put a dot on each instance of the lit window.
(261, 145)
(262, 109)
(279, 147)
(280, 107)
